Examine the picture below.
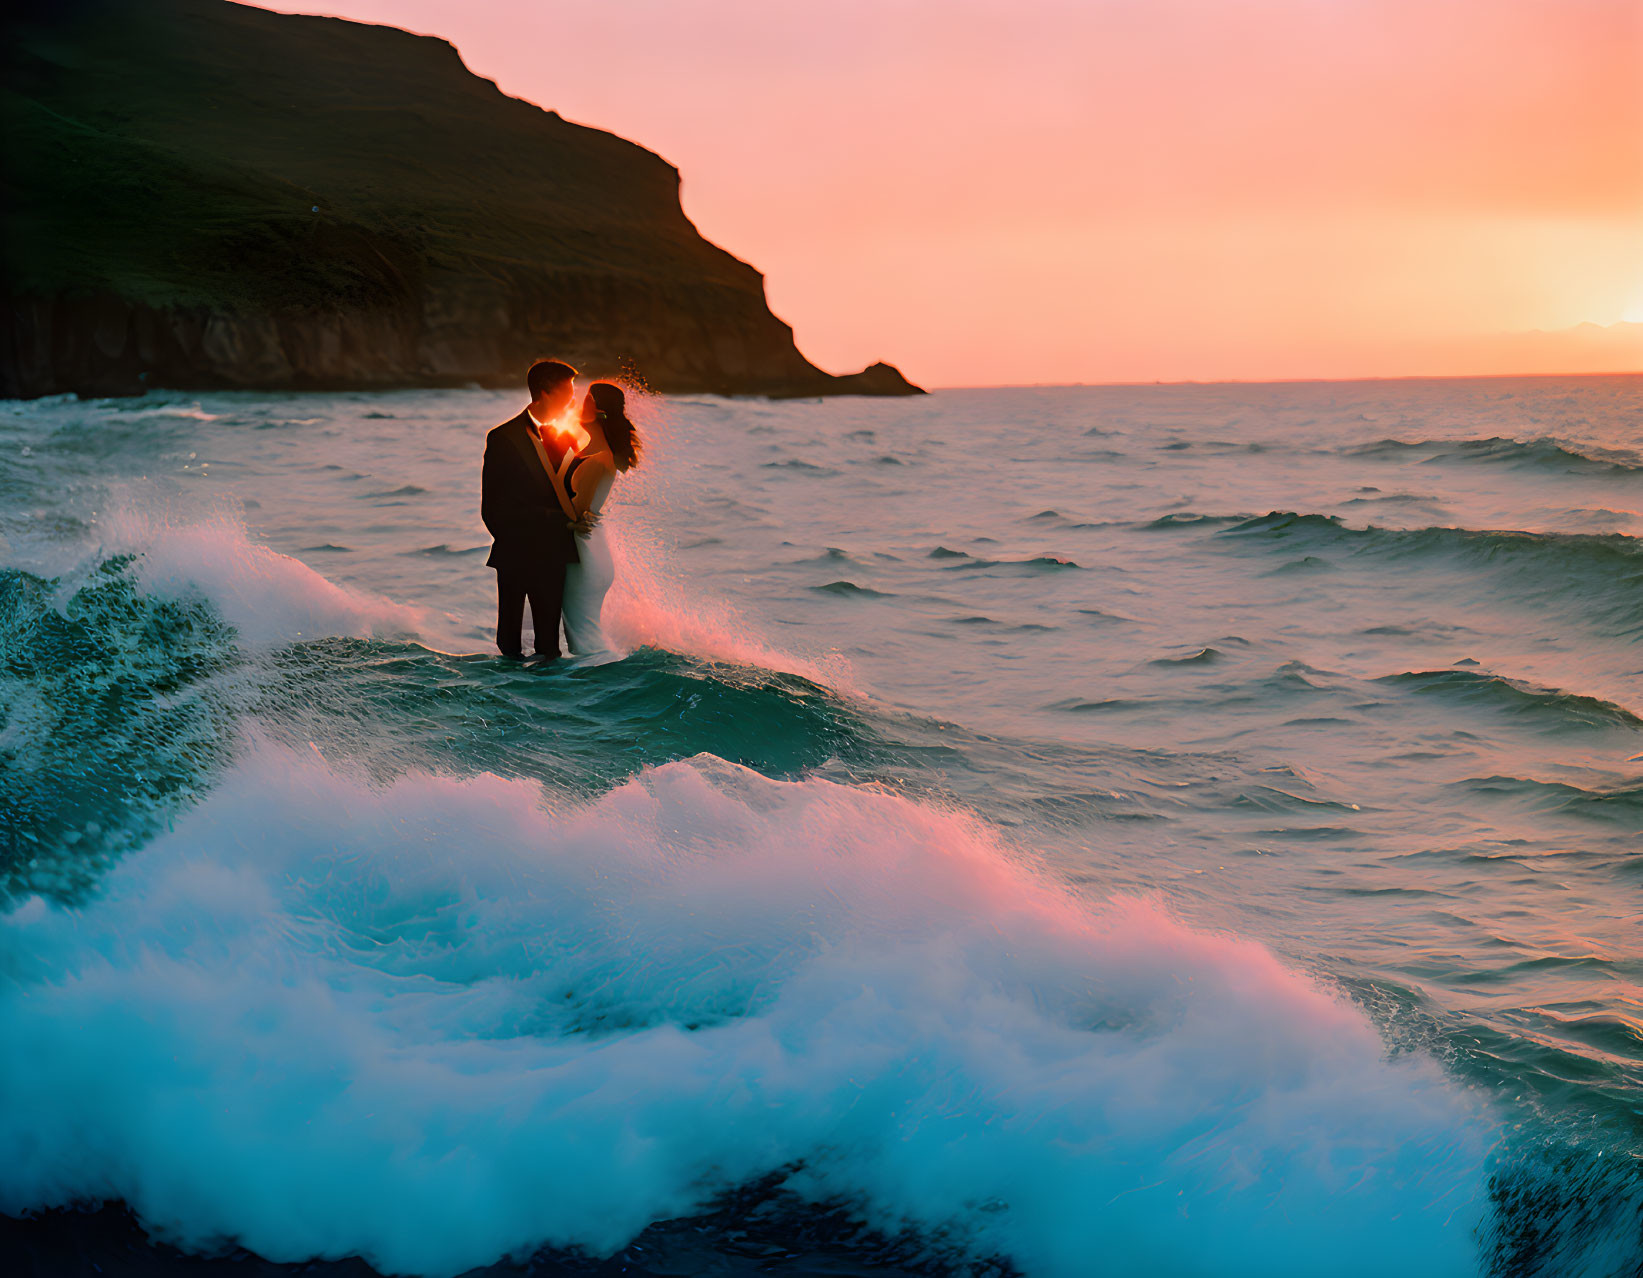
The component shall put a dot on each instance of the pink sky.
(1008, 191)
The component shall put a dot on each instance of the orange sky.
(1006, 191)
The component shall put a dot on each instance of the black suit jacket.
(518, 503)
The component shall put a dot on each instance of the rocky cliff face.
(447, 333)
(206, 195)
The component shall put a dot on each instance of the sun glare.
(568, 427)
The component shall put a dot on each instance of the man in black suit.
(533, 537)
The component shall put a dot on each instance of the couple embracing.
(547, 474)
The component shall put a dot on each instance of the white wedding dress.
(586, 583)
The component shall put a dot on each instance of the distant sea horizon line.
(1287, 381)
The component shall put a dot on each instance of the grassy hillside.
(200, 154)
(179, 147)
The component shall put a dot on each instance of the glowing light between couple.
(547, 475)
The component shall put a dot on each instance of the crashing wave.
(434, 1024)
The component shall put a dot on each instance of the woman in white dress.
(612, 449)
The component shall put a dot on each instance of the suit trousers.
(544, 585)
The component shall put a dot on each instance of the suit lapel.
(521, 438)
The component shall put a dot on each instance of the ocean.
(1191, 830)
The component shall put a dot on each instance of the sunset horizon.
(1102, 194)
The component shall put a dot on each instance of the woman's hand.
(585, 523)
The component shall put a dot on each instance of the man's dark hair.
(545, 374)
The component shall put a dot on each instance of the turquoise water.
(1191, 828)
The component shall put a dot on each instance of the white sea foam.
(269, 598)
(45, 405)
(649, 606)
(272, 598)
(187, 412)
(653, 603)
(437, 1023)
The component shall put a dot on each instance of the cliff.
(204, 195)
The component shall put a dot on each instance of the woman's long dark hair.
(610, 404)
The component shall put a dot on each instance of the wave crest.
(1543, 453)
(434, 1024)
(1563, 709)
(111, 712)
(268, 598)
(1604, 569)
